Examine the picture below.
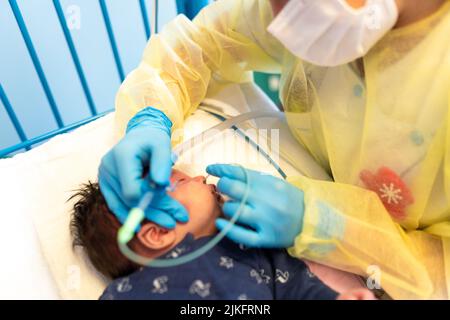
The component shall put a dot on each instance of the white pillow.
(36, 186)
(25, 274)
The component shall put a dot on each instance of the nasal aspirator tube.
(137, 214)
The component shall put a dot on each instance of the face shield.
(331, 33)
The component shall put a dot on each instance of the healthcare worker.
(366, 88)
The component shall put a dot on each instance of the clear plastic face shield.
(259, 140)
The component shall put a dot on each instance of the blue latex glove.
(273, 211)
(121, 180)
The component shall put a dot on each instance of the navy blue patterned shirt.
(227, 272)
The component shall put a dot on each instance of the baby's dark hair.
(95, 228)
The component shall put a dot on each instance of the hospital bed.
(35, 242)
(38, 259)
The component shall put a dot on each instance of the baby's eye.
(180, 181)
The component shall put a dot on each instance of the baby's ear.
(155, 237)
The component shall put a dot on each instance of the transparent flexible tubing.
(229, 123)
(217, 107)
(137, 215)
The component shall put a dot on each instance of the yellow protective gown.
(380, 126)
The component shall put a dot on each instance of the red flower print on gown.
(391, 190)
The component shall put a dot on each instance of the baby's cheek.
(180, 197)
(204, 200)
(195, 198)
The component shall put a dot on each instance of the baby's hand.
(357, 294)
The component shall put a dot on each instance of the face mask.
(330, 32)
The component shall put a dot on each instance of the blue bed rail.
(14, 121)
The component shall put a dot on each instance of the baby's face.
(202, 201)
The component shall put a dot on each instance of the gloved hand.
(121, 180)
(273, 211)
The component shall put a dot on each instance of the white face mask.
(331, 32)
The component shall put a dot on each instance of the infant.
(228, 271)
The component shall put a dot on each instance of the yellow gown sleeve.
(224, 43)
(347, 227)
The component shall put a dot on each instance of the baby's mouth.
(218, 196)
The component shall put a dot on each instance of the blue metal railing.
(36, 62)
(27, 144)
(112, 40)
(12, 116)
(75, 58)
(188, 7)
(145, 18)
